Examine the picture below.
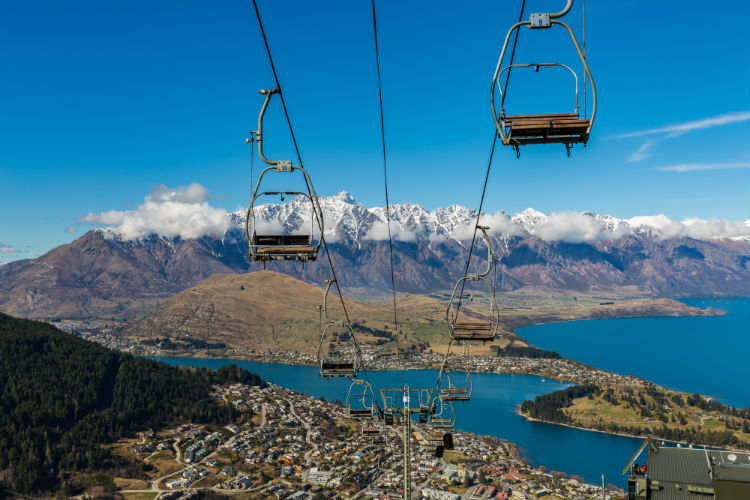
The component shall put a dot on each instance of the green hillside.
(61, 397)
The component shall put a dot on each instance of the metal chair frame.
(447, 390)
(443, 415)
(575, 134)
(276, 248)
(348, 366)
(360, 391)
(480, 332)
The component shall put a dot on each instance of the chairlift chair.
(547, 128)
(337, 353)
(451, 392)
(386, 413)
(473, 329)
(370, 429)
(443, 416)
(275, 245)
(360, 400)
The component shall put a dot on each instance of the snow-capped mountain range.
(166, 245)
(346, 218)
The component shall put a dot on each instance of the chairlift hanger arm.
(325, 300)
(565, 10)
(489, 250)
(259, 132)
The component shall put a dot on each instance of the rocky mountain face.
(102, 275)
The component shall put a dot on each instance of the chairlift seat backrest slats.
(329, 369)
(282, 239)
(547, 116)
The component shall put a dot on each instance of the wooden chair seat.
(285, 249)
(360, 413)
(472, 325)
(565, 128)
(454, 390)
(456, 397)
(440, 425)
(483, 336)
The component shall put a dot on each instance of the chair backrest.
(282, 239)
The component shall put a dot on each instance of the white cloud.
(71, 229)
(379, 232)
(108, 218)
(654, 221)
(682, 128)
(193, 193)
(7, 249)
(716, 228)
(694, 167)
(574, 227)
(169, 212)
(499, 223)
(692, 228)
(640, 153)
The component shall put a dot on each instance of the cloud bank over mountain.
(186, 212)
(169, 212)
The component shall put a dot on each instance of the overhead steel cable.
(387, 202)
(299, 159)
(489, 166)
(481, 205)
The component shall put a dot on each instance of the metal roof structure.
(676, 473)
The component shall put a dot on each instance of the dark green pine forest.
(62, 398)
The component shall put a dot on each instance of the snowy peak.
(529, 219)
(346, 218)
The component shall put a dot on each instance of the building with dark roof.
(689, 474)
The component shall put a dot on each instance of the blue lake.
(491, 411)
(709, 355)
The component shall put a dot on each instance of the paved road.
(308, 439)
(469, 493)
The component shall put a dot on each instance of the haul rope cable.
(299, 158)
(387, 203)
(489, 166)
(481, 201)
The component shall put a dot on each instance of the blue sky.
(102, 101)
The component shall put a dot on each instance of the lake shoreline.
(532, 419)
(650, 347)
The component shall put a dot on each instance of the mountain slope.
(264, 311)
(104, 275)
